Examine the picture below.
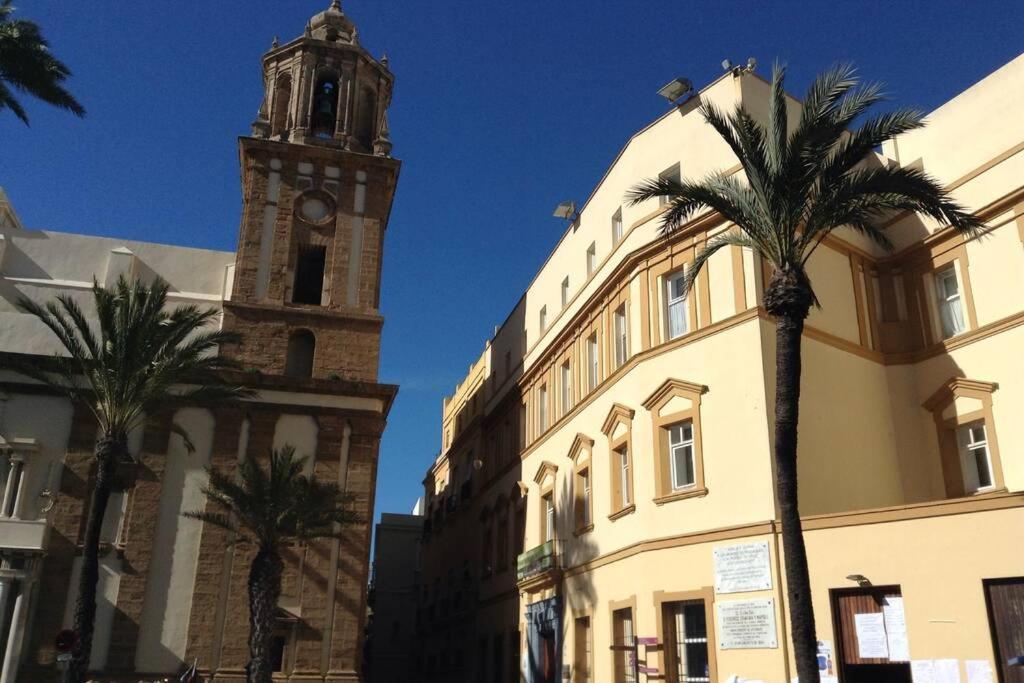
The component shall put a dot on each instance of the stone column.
(14, 639)
(11, 488)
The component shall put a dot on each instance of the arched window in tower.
(299, 361)
(309, 274)
(365, 119)
(282, 98)
(325, 106)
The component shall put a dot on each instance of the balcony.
(21, 534)
(538, 568)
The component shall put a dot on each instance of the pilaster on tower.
(318, 181)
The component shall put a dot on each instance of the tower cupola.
(324, 88)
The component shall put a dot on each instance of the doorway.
(847, 604)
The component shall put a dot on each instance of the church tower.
(318, 180)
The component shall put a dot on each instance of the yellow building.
(620, 435)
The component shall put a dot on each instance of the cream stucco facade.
(622, 437)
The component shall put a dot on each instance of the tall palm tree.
(800, 185)
(27, 65)
(140, 360)
(268, 509)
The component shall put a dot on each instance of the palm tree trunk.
(788, 333)
(109, 452)
(264, 590)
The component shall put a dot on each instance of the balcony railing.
(538, 567)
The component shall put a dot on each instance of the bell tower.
(318, 181)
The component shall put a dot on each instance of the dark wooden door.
(846, 603)
(1005, 601)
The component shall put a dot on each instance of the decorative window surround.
(673, 402)
(950, 407)
(618, 428)
(581, 454)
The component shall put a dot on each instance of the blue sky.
(502, 109)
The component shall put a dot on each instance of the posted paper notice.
(896, 630)
(979, 671)
(871, 640)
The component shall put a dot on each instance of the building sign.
(747, 624)
(742, 568)
(535, 561)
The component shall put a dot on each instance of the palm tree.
(269, 509)
(141, 360)
(27, 65)
(799, 187)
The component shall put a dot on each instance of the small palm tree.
(141, 360)
(27, 65)
(270, 509)
(799, 187)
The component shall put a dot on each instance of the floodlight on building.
(737, 70)
(566, 210)
(726, 65)
(675, 89)
(860, 579)
(751, 64)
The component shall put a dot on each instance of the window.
(617, 227)
(309, 274)
(566, 387)
(542, 409)
(618, 426)
(678, 466)
(277, 648)
(282, 99)
(325, 106)
(367, 113)
(565, 291)
(299, 356)
(502, 563)
(548, 502)
(951, 313)
(688, 644)
(974, 457)
(486, 552)
(584, 650)
(671, 173)
(543, 318)
(680, 453)
(622, 459)
(592, 362)
(966, 431)
(675, 305)
(625, 646)
(583, 516)
(621, 336)
(591, 258)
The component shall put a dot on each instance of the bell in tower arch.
(325, 107)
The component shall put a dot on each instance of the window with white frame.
(680, 453)
(951, 312)
(542, 409)
(592, 376)
(543, 318)
(585, 481)
(974, 457)
(565, 291)
(621, 330)
(566, 387)
(675, 304)
(623, 456)
(591, 258)
(617, 226)
(549, 518)
(671, 173)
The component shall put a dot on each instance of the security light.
(751, 63)
(726, 64)
(566, 210)
(860, 579)
(675, 89)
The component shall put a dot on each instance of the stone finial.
(274, 43)
(309, 30)
(336, 5)
(384, 59)
(382, 145)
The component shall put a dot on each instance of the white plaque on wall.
(741, 568)
(747, 624)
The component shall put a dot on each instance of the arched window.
(299, 361)
(325, 106)
(282, 98)
(366, 117)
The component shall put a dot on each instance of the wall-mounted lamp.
(736, 69)
(861, 580)
(567, 210)
(675, 89)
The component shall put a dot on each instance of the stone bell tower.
(317, 185)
